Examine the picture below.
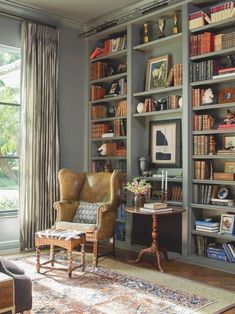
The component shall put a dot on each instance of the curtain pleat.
(39, 137)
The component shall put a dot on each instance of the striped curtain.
(39, 137)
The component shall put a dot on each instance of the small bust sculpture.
(208, 96)
(230, 118)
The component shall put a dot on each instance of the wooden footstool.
(67, 239)
(7, 302)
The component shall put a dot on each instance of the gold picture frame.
(229, 166)
(157, 72)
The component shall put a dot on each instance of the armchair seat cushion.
(75, 226)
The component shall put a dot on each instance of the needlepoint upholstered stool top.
(68, 239)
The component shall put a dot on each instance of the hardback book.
(207, 223)
(111, 134)
(222, 202)
(228, 253)
(157, 210)
(155, 205)
(207, 229)
(223, 176)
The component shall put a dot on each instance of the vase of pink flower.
(140, 187)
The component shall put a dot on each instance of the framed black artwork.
(164, 143)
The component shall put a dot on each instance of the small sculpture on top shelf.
(175, 21)
(208, 97)
(146, 32)
(212, 150)
(161, 26)
(143, 166)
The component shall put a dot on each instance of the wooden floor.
(197, 273)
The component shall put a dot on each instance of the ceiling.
(81, 11)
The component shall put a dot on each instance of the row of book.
(223, 252)
(99, 112)
(203, 70)
(202, 170)
(113, 149)
(197, 97)
(102, 165)
(97, 92)
(175, 193)
(201, 144)
(109, 46)
(208, 194)
(99, 128)
(208, 42)
(175, 76)
(202, 122)
(216, 13)
(119, 127)
(98, 70)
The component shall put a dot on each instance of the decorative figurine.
(143, 164)
(208, 97)
(161, 26)
(212, 143)
(175, 21)
(146, 37)
(230, 118)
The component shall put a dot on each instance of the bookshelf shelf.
(109, 78)
(158, 91)
(197, 181)
(109, 119)
(214, 207)
(226, 237)
(214, 106)
(214, 81)
(215, 26)
(159, 179)
(114, 138)
(232, 130)
(168, 40)
(113, 55)
(220, 156)
(108, 158)
(162, 112)
(213, 54)
(107, 99)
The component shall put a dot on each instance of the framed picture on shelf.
(226, 95)
(229, 143)
(227, 224)
(229, 166)
(114, 88)
(157, 72)
(164, 143)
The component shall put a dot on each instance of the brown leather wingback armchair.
(102, 187)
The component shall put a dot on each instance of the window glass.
(9, 129)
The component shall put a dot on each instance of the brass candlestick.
(175, 21)
(164, 196)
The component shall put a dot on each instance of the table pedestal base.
(154, 248)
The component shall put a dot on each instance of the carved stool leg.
(70, 261)
(52, 254)
(83, 256)
(95, 253)
(38, 259)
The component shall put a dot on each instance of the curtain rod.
(18, 17)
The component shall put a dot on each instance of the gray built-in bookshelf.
(115, 111)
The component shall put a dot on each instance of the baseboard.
(9, 245)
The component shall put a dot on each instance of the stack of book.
(222, 202)
(198, 19)
(148, 105)
(203, 193)
(156, 207)
(203, 122)
(121, 109)
(119, 127)
(99, 128)
(114, 44)
(229, 249)
(225, 72)
(207, 226)
(197, 97)
(175, 193)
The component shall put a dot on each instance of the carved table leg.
(52, 254)
(70, 260)
(155, 248)
(38, 259)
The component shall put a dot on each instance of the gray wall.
(71, 99)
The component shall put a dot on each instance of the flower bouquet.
(138, 186)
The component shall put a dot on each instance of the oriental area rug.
(115, 287)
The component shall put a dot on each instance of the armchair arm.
(65, 210)
(23, 292)
(106, 221)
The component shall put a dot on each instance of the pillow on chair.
(87, 213)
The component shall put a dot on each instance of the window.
(9, 129)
